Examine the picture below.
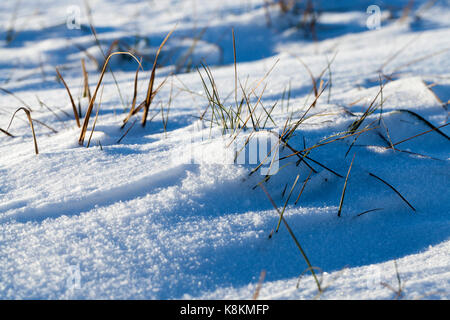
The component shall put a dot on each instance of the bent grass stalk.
(91, 103)
(367, 211)
(425, 121)
(31, 126)
(395, 190)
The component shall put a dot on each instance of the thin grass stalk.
(75, 113)
(341, 202)
(27, 112)
(420, 134)
(97, 41)
(16, 97)
(305, 257)
(285, 204)
(148, 99)
(96, 117)
(303, 186)
(259, 285)
(367, 211)
(235, 68)
(91, 103)
(142, 104)
(7, 133)
(325, 143)
(86, 90)
(395, 190)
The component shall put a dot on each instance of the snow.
(165, 213)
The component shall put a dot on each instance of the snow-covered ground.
(164, 214)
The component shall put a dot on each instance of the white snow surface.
(135, 220)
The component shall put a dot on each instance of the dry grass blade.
(126, 132)
(393, 56)
(370, 109)
(262, 276)
(266, 75)
(235, 68)
(93, 127)
(399, 291)
(285, 204)
(289, 134)
(89, 55)
(6, 132)
(419, 59)
(182, 61)
(406, 11)
(31, 126)
(165, 119)
(420, 134)
(135, 110)
(91, 103)
(313, 80)
(325, 143)
(426, 122)
(305, 257)
(95, 120)
(421, 155)
(75, 113)
(345, 187)
(303, 186)
(16, 97)
(86, 90)
(148, 99)
(250, 116)
(42, 104)
(398, 193)
(11, 33)
(97, 41)
(133, 102)
(430, 88)
(45, 125)
(367, 211)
